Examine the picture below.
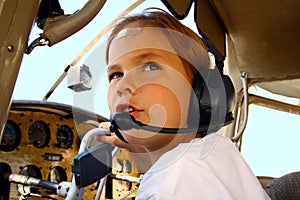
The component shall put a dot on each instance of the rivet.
(10, 48)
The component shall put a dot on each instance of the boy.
(152, 63)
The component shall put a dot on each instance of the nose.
(126, 84)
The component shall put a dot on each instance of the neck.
(146, 158)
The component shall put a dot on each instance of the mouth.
(127, 108)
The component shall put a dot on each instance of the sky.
(270, 140)
(46, 64)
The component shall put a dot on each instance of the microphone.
(124, 121)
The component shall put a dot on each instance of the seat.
(286, 187)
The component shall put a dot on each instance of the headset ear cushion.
(194, 107)
(230, 98)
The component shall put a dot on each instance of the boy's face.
(148, 80)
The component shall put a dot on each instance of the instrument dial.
(31, 171)
(57, 175)
(11, 136)
(64, 136)
(39, 134)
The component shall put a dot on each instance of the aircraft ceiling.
(263, 38)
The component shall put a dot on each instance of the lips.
(127, 108)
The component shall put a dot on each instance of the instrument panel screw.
(245, 74)
(10, 48)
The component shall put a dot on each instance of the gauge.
(39, 134)
(31, 171)
(11, 136)
(128, 166)
(64, 136)
(119, 165)
(57, 174)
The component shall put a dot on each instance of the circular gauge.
(128, 166)
(119, 165)
(39, 134)
(64, 136)
(57, 174)
(31, 171)
(11, 136)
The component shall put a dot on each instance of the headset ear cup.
(215, 94)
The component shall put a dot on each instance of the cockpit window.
(271, 139)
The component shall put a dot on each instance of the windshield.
(41, 69)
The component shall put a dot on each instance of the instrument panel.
(41, 139)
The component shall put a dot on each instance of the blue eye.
(151, 67)
(115, 75)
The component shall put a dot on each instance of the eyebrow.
(148, 55)
(112, 68)
(141, 57)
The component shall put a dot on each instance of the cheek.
(165, 108)
(110, 98)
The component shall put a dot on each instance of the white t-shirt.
(207, 168)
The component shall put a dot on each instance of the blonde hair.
(195, 52)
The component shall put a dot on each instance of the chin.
(149, 140)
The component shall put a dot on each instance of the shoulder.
(195, 169)
(198, 151)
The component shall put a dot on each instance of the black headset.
(211, 103)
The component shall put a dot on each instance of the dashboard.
(41, 139)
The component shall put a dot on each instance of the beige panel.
(15, 29)
(265, 37)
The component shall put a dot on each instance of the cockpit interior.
(257, 44)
